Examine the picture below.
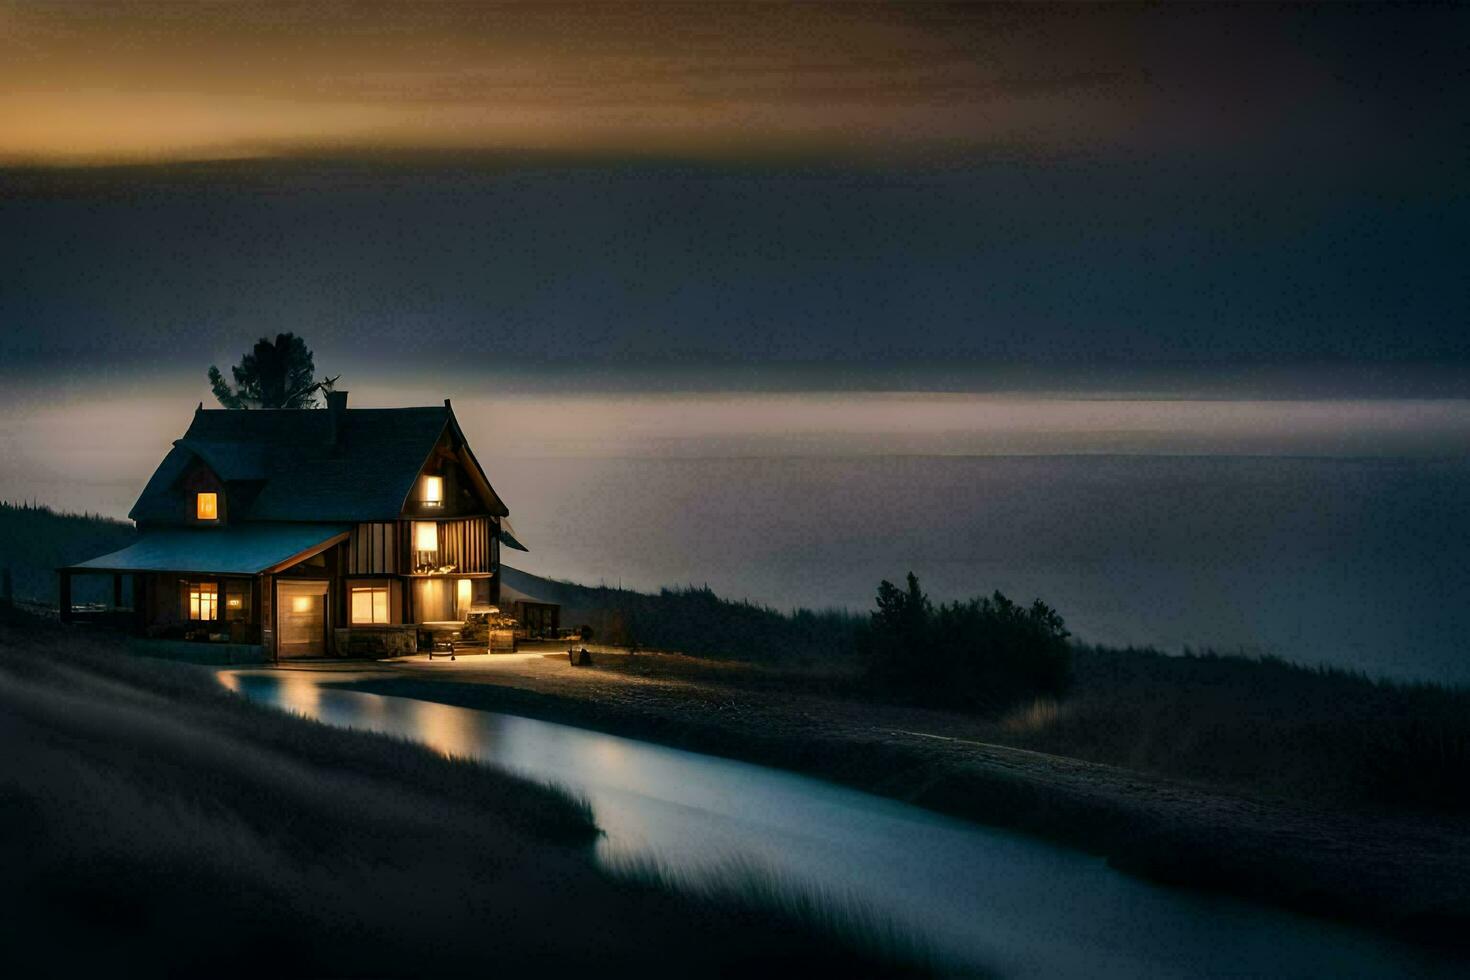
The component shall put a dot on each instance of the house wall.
(164, 607)
(373, 549)
(373, 642)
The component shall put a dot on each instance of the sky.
(440, 185)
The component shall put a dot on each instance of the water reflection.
(976, 895)
(449, 731)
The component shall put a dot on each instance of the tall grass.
(1265, 724)
(152, 824)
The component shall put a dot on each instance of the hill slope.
(36, 540)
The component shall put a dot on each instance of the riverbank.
(153, 824)
(1405, 872)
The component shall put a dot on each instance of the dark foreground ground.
(1400, 868)
(151, 824)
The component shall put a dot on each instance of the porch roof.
(238, 549)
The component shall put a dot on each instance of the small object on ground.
(579, 658)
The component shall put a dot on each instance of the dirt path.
(1411, 875)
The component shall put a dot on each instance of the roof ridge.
(358, 408)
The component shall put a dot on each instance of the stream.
(979, 897)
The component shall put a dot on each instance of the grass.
(695, 621)
(36, 540)
(153, 824)
(1254, 724)
(1262, 724)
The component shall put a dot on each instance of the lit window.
(370, 604)
(433, 493)
(425, 536)
(206, 506)
(237, 601)
(203, 600)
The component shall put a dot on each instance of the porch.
(251, 591)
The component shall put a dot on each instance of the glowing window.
(433, 491)
(206, 506)
(203, 600)
(369, 604)
(237, 601)
(425, 536)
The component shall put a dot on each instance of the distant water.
(1362, 563)
(1327, 530)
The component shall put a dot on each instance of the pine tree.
(272, 375)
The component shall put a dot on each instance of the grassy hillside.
(695, 621)
(1262, 725)
(36, 540)
(152, 824)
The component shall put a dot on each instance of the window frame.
(199, 596)
(374, 589)
(199, 498)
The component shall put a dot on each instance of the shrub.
(985, 653)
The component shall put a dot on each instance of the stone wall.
(376, 642)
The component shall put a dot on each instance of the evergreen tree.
(272, 375)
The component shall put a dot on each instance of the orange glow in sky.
(83, 80)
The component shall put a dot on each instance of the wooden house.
(312, 533)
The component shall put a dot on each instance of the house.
(308, 533)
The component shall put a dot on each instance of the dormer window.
(206, 506)
(432, 494)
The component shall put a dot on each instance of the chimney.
(336, 407)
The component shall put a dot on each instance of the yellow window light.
(203, 600)
(206, 506)
(433, 491)
(425, 536)
(370, 605)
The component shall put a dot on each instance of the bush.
(986, 653)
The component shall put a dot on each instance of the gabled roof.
(289, 465)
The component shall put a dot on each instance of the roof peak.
(271, 411)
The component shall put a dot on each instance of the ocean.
(1326, 531)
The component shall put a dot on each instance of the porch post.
(64, 594)
(140, 605)
(256, 613)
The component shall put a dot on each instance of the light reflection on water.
(975, 894)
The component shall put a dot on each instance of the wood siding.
(466, 545)
(372, 549)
